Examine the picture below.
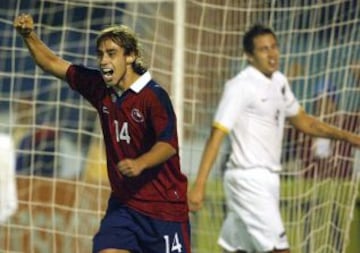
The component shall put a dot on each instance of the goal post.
(191, 47)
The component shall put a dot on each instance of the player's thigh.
(123, 228)
(238, 251)
(275, 251)
(166, 237)
(281, 251)
(114, 251)
(253, 195)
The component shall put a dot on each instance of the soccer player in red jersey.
(147, 210)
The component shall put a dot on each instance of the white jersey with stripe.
(252, 110)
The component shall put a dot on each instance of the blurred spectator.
(36, 153)
(41, 148)
(352, 101)
(36, 145)
(322, 157)
(293, 138)
(95, 170)
(295, 71)
(355, 70)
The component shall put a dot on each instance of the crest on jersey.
(137, 115)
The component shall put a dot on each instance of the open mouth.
(272, 62)
(107, 72)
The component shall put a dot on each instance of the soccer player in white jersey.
(252, 111)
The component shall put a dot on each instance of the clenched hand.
(24, 24)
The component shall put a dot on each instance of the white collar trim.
(140, 83)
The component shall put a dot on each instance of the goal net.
(53, 182)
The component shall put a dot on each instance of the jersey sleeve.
(231, 105)
(163, 118)
(87, 81)
(292, 104)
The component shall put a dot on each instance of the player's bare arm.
(159, 153)
(314, 127)
(42, 55)
(197, 192)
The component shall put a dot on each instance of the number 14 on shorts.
(172, 244)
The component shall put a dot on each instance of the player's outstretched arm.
(42, 55)
(196, 194)
(314, 127)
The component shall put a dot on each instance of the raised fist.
(24, 24)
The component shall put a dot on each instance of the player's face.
(114, 65)
(265, 56)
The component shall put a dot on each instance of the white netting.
(57, 138)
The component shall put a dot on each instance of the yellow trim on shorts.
(221, 127)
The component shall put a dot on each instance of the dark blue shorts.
(124, 228)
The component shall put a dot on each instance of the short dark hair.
(125, 38)
(253, 32)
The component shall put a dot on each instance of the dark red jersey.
(132, 122)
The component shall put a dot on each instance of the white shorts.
(253, 220)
